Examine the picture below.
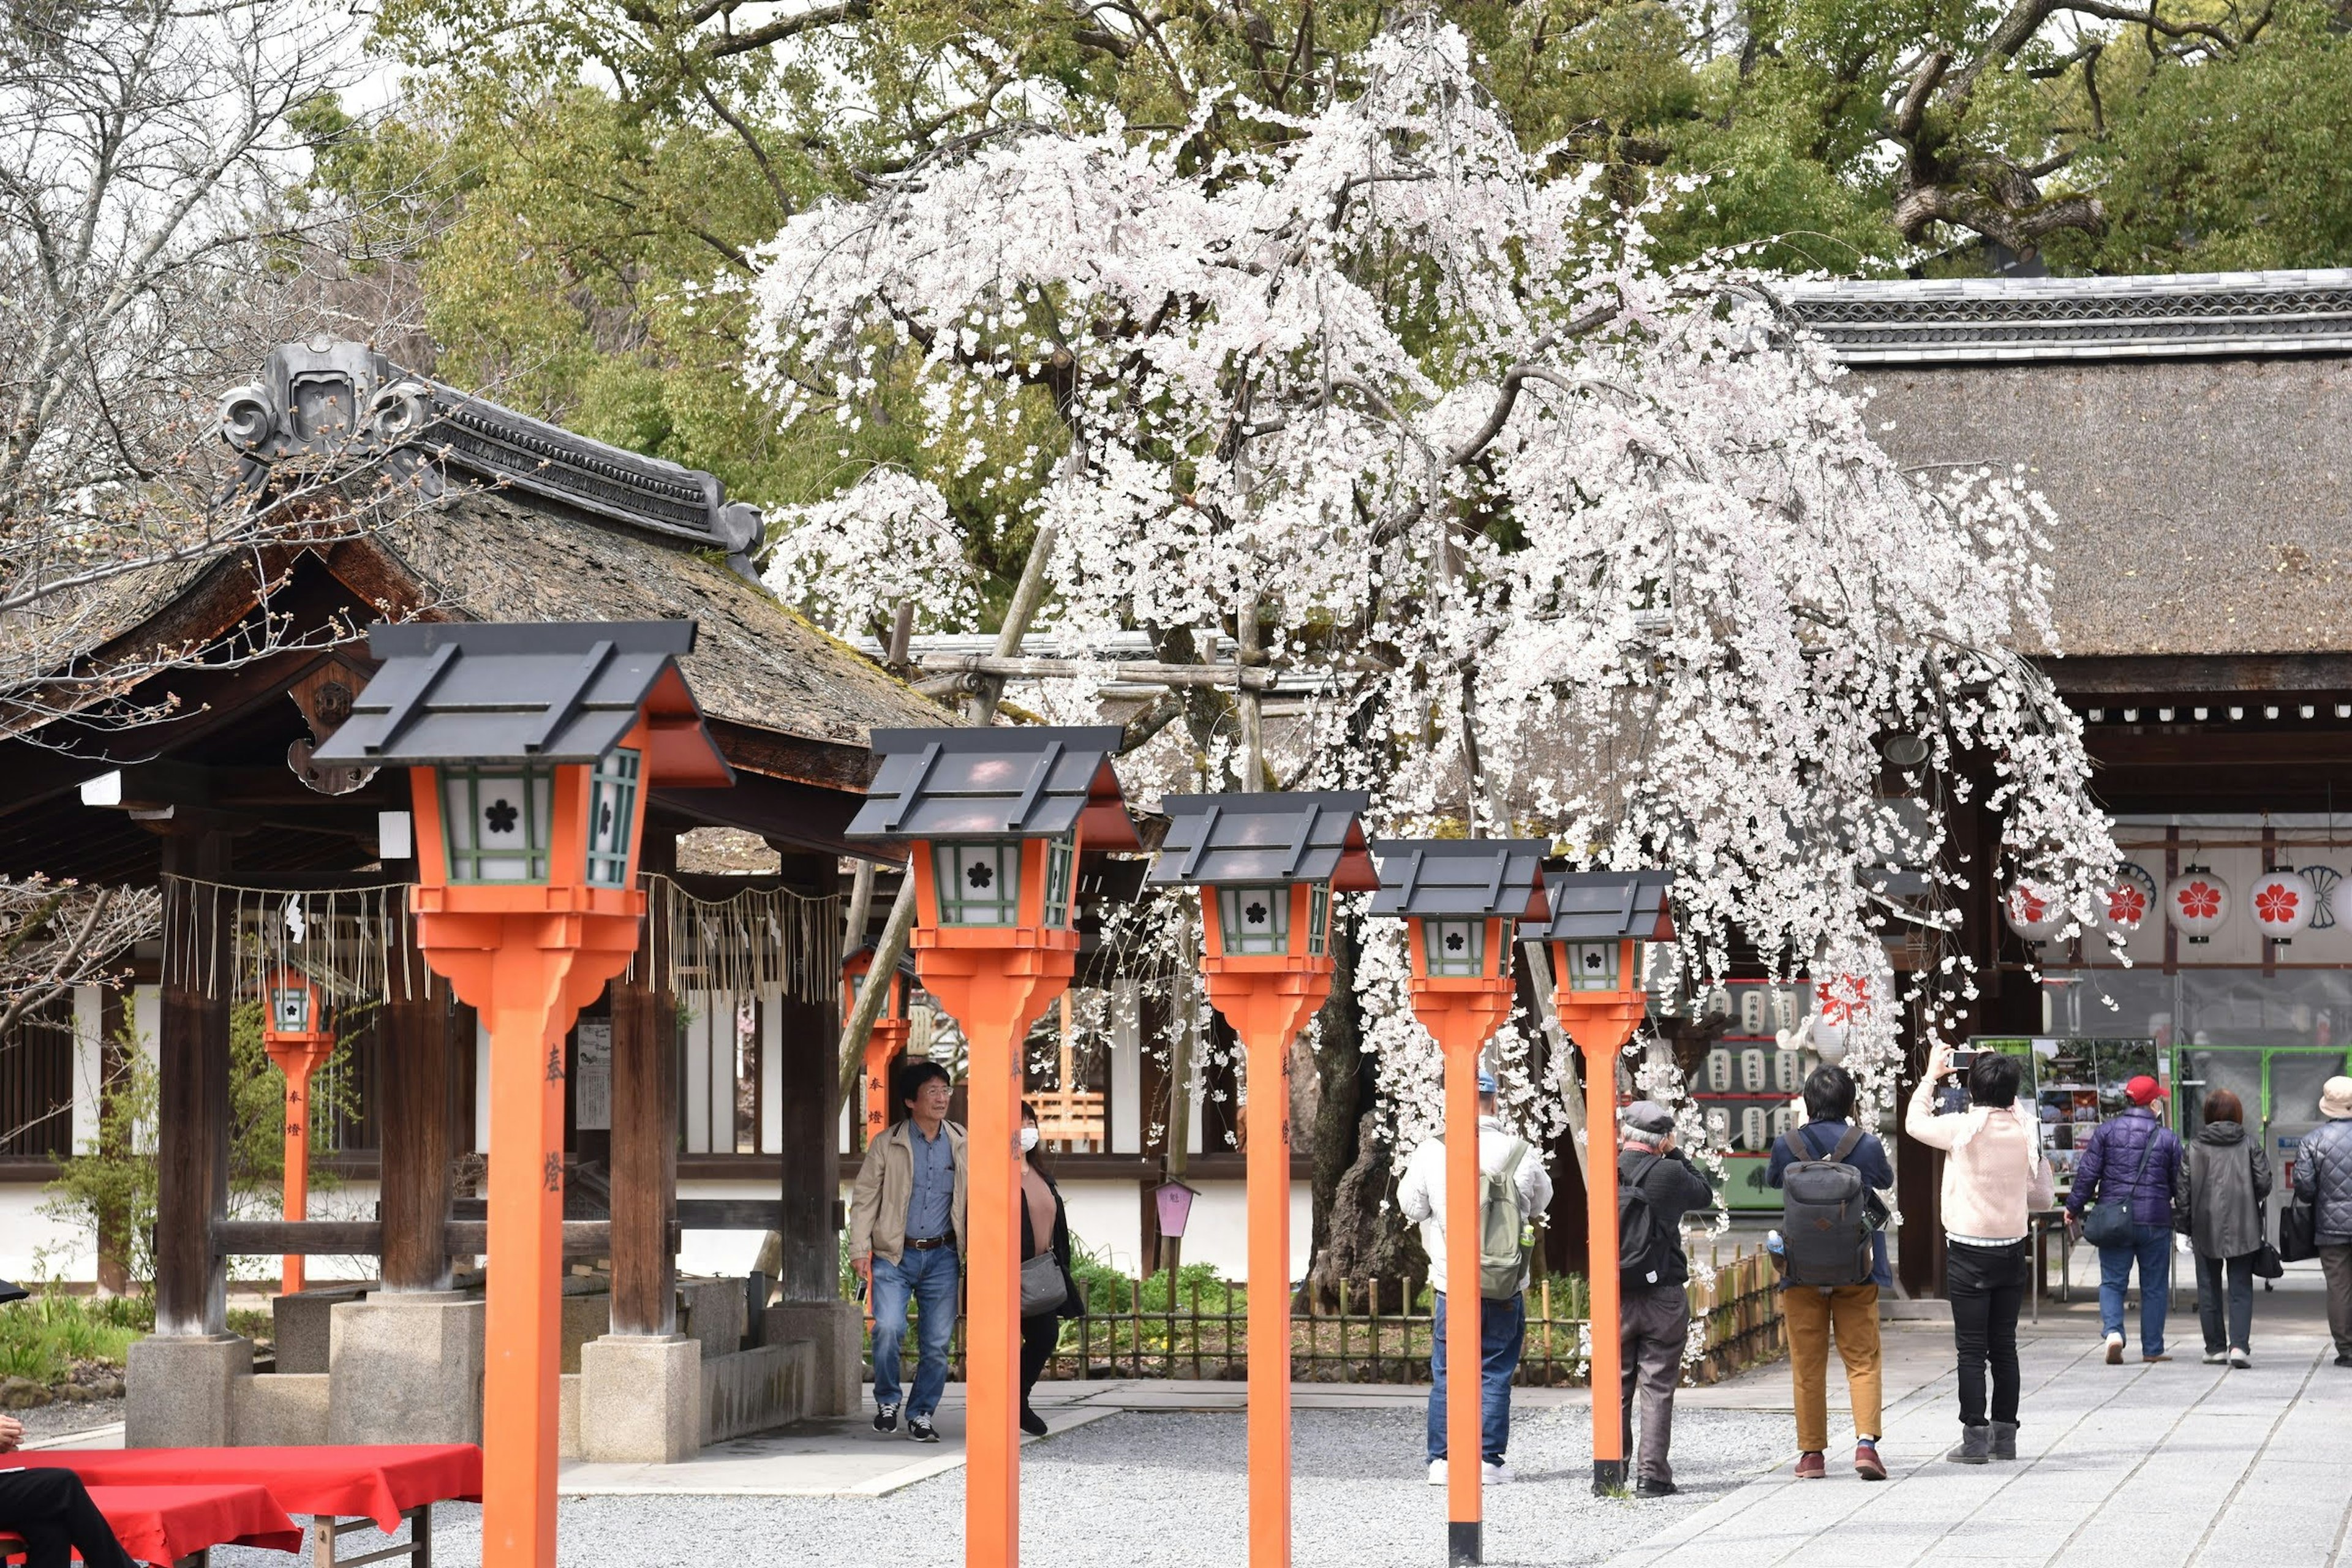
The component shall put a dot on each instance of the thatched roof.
(488, 515)
(497, 556)
(2194, 436)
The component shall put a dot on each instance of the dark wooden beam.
(645, 1130)
(582, 1237)
(192, 1126)
(808, 1101)
(416, 1048)
(306, 1237)
(729, 1214)
(2185, 675)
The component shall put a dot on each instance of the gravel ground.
(1146, 1488)
(56, 1420)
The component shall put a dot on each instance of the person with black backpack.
(1656, 1185)
(1833, 1261)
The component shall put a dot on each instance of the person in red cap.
(2134, 1163)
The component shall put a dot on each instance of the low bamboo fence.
(1200, 1331)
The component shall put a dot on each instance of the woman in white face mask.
(1046, 1261)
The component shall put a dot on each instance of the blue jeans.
(1502, 1330)
(929, 1279)
(2151, 1247)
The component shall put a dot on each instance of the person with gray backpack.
(1656, 1185)
(1515, 1190)
(1832, 1255)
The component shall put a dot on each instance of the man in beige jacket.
(906, 1225)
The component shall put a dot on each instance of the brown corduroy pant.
(1852, 1310)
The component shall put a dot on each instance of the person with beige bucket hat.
(2323, 1179)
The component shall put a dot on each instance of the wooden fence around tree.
(1202, 1332)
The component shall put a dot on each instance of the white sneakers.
(1497, 1474)
(2215, 1358)
(2239, 1358)
(2114, 1350)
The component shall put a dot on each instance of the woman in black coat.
(1040, 1198)
(2227, 1181)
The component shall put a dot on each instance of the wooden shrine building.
(2193, 437)
(415, 500)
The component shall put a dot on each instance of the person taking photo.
(1994, 1177)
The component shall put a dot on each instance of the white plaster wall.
(1106, 1220)
(722, 1252)
(34, 1247)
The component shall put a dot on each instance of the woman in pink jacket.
(1995, 1175)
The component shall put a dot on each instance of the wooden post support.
(416, 1056)
(1461, 1014)
(192, 1118)
(995, 994)
(1466, 1309)
(1601, 1022)
(644, 1158)
(1607, 1316)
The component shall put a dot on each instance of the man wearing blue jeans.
(905, 1220)
(2133, 1158)
(1502, 1324)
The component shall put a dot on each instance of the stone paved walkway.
(2138, 1466)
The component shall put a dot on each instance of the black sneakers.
(886, 1418)
(921, 1429)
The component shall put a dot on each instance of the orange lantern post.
(1460, 898)
(1599, 922)
(1267, 865)
(994, 820)
(889, 1036)
(529, 750)
(295, 1035)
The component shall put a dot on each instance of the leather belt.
(929, 1242)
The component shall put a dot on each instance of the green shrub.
(43, 1337)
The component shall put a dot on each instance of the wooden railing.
(1201, 1333)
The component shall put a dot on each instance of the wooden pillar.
(807, 1079)
(417, 1073)
(644, 1137)
(192, 1108)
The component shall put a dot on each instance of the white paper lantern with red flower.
(2123, 907)
(1840, 1001)
(2281, 903)
(2034, 911)
(2197, 902)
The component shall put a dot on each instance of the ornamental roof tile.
(1302, 837)
(1024, 783)
(1462, 878)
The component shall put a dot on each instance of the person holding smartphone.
(1995, 1176)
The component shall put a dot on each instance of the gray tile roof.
(996, 784)
(1599, 906)
(1303, 836)
(2007, 321)
(1463, 878)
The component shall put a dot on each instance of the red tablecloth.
(374, 1481)
(163, 1524)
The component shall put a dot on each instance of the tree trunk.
(1359, 1234)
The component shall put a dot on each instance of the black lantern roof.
(1303, 837)
(561, 691)
(1471, 879)
(1608, 906)
(1027, 782)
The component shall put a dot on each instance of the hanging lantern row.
(2283, 903)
